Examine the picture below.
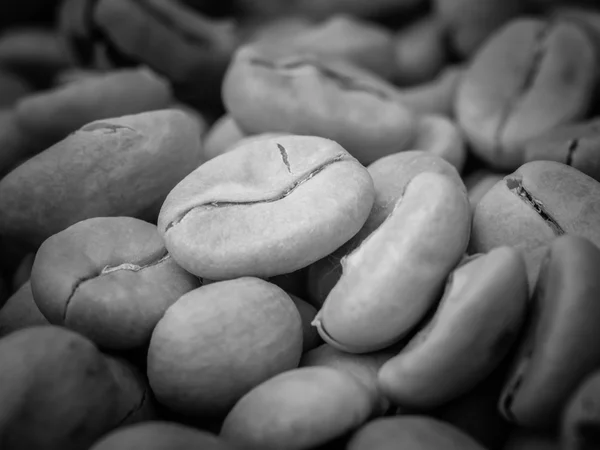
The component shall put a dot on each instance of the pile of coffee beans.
(299, 225)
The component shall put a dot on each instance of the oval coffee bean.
(255, 211)
(123, 166)
(531, 76)
(61, 393)
(472, 330)
(531, 207)
(20, 311)
(393, 278)
(310, 95)
(246, 328)
(580, 423)
(159, 435)
(298, 410)
(108, 278)
(559, 349)
(390, 174)
(410, 432)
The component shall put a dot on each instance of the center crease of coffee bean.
(110, 128)
(345, 82)
(132, 267)
(515, 185)
(285, 193)
(529, 78)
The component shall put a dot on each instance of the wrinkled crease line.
(78, 283)
(345, 81)
(284, 157)
(531, 75)
(516, 187)
(288, 191)
(111, 127)
(134, 267)
(110, 269)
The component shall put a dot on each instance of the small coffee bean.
(246, 328)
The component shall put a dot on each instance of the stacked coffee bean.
(295, 225)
